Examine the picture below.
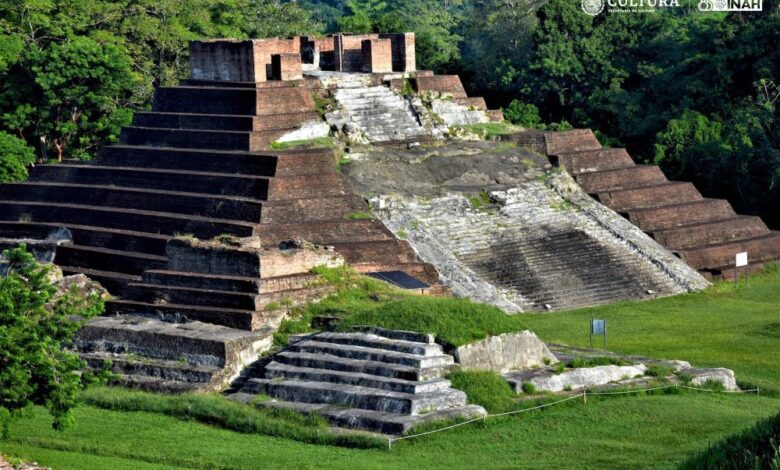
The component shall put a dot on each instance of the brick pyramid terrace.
(198, 167)
(706, 233)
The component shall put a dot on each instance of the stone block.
(502, 353)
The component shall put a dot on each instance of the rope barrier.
(583, 395)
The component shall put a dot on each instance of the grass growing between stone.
(365, 301)
(319, 142)
(723, 326)
(487, 130)
(654, 431)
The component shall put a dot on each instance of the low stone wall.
(502, 353)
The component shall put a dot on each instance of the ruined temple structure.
(198, 167)
(705, 233)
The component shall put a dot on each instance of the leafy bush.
(15, 157)
(522, 114)
(487, 389)
(35, 325)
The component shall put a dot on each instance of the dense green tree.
(35, 325)
(15, 157)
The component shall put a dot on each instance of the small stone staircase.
(378, 380)
(381, 114)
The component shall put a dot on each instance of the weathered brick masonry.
(706, 233)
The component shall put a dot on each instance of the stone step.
(385, 423)
(359, 366)
(131, 198)
(621, 178)
(103, 259)
(114, 239)
(759, 249)
(155, 384)
(169, 180)
(277, 371)
(224, 122)
(113, 281)
(122, 219)
(403, 335)
(201, 139)
(371, 340)
(679, 215)
(655, 195)
(233, 101)
(194, 343)
(133, 365)
(164, 294)
(372, 354)
(709, 233)
(354, 396)
(588, 161)
(248, 320)
(168, 158)
(227, 283)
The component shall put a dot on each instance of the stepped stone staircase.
(379, 113)
(705, 233)
(528, 252)
(378, 380)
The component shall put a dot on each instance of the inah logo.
(592, 7)
(730, 5)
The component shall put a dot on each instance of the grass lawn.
(722, 326)
(656, 431)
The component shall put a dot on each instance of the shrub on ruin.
(522, 114)
(36, 322)
(15, 157)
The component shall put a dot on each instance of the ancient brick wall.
(445, 84)
(377, 56)
(286, 67)
(404, 57)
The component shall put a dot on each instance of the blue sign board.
(598, 327)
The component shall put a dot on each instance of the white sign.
(742, 259)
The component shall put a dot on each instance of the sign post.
(741, 260)
(598, 327)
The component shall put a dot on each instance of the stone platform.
(378, 380)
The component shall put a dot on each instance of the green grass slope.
(720, 327)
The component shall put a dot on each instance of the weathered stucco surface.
(502, 353)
